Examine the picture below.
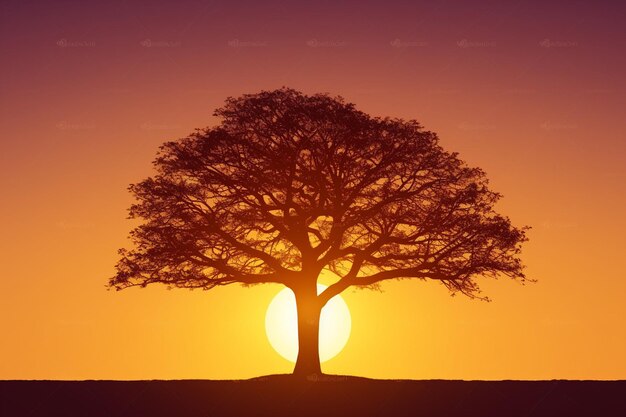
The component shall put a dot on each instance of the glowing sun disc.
(281, 325)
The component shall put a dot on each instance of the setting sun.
(281, 325)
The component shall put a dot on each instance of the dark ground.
(279, 395)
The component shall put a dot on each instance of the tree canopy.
(288, 185)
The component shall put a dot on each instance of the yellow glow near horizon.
(281, 325)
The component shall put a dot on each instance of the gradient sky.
(533, 92)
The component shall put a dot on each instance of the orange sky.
(534, 94)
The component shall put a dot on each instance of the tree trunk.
(307, 304)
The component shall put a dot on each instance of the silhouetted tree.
(289, 185)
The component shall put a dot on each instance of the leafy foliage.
(289, 185)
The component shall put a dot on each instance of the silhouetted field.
(280, 395)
